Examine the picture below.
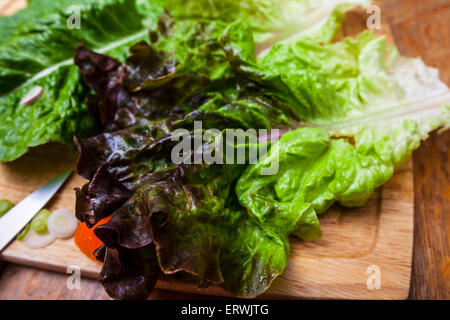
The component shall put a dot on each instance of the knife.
(18, 217)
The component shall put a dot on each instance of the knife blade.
(18, 217)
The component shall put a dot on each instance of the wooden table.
(419, 28)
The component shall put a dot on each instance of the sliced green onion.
(39, 222)
(24, 233)
(62, 223)
(35, 240)
(5, 206)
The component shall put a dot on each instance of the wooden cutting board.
(378, 236)
(358, 245)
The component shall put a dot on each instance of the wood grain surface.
(379, 234)
(419, 28)
(422, 28)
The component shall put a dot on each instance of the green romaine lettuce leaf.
(367, 109)
(365, 90)
(351, 79)
(39, 53)
(271, 20)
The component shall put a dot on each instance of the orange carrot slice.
(87, 241)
